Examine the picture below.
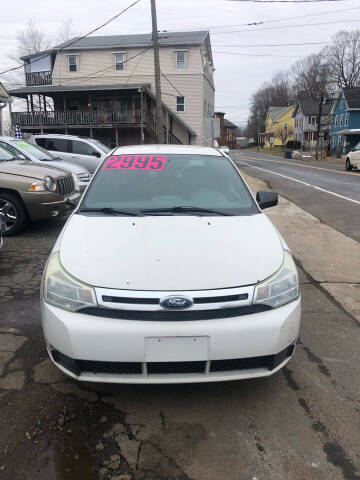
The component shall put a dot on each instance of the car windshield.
(38, 152)
(169, 185)
(6, 156)
(102, 147)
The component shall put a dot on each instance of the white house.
(104, 86)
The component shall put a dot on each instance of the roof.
(311, 107)
(136, 40)
(48, 89)
(276, 112)
(227, 123)
(4, 94)
(352, 97)
(170, 149)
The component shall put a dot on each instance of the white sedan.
(169, 272)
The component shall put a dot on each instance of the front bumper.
(92, 348)
(43, 205)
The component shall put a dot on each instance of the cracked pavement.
(302, 423)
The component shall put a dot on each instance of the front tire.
(348, 166)
(13, 213)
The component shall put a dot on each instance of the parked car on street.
(169, 272)
(84, 151)
(28, 151)
(225, 149)
(353, 159)
(30, 192)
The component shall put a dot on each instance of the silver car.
(84, 151)
(33, 153)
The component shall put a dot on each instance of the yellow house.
(279, 125)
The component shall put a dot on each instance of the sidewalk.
(309, 157)
(331, 259)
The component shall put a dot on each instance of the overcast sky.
(236, 76)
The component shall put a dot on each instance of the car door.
(57, 146)
(85, 154)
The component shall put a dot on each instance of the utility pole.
(155, 38)
(319, 125)
(258, 130)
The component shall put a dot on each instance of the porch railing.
(34, 79)
(76, 117)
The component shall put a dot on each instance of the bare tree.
(311, 76)
(31, 39)
(343, 58)
(285, 133)
(66, 31)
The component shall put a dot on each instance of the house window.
(341, 120)
(181, 59)
(73, 63)
(336, 121)
(120, 61)
(180, 104)
(346, 123)
(338, 140)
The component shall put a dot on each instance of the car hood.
(64, 165)
(29, 169)
(170, 252)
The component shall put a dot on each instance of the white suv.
(87, 152)
(353, 159)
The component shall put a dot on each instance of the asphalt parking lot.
(301, 423)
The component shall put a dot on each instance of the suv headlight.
(50, 184)
(62, 290)
(280, 288)
(76, 181)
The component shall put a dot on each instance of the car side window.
(58, 145)
(41, 142)
(12, 149)
(82, 148)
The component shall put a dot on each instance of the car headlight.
(62, 290)
(280, 288)
(76, 181)
(50, 184)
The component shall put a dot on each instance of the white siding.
(96, 67)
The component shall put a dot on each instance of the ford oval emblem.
(176, 302)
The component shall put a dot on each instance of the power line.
(272, 45)
(77, 39)
(286, 26)
(258, 54)
(163, 74)
(262, 22)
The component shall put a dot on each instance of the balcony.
(36, 79)
(86, 118)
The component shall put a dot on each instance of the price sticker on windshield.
(135, 162)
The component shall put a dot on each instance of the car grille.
(156, 301)
(174, 316)
(65, 186)
(269, 362)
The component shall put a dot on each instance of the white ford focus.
(168, 271)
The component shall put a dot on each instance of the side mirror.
(96, 154)
(266, 199)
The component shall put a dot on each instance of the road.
(302, 423)
(326, 191)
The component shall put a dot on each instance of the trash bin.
(288, 154)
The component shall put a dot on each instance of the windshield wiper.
(184, 209)
(109, 211)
